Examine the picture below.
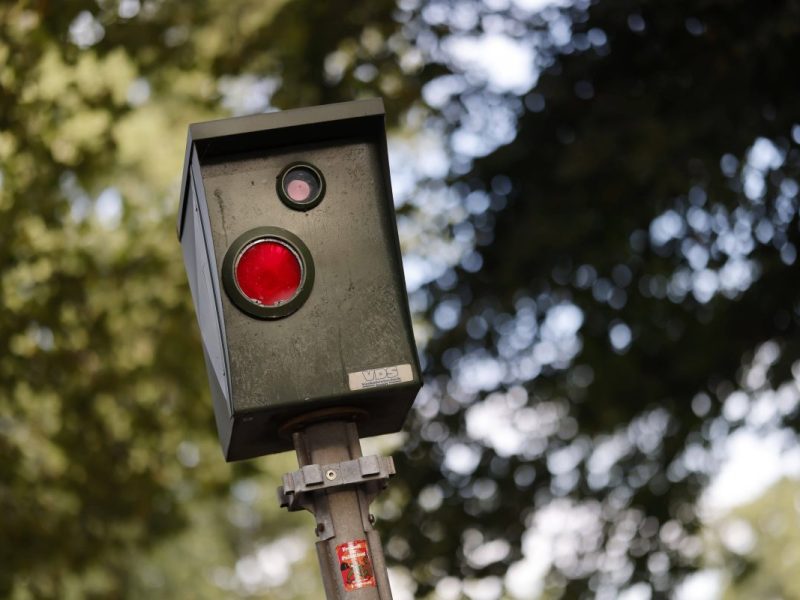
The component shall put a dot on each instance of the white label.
(362, 380)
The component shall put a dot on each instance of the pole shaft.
(344, 523)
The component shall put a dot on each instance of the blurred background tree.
(755, 546)
(598, 209)
(105, 433)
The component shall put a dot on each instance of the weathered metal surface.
(355, 322)
(341, 511)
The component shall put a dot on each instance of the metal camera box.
(290, 243)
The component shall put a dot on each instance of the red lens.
(268, 272)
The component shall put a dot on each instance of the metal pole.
(337, 484)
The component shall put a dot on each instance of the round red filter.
(268, 272)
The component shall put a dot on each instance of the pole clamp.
(371, 473)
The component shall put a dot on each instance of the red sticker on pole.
(355, 565)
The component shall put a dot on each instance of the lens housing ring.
(245, 303)
(283, 194)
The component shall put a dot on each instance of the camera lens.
(299, 189)
(301, 186)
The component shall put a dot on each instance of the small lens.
(301, 186)
(298, 190)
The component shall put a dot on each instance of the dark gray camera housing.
(346, 347)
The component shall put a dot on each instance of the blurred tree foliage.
(634, 293)
(621, 292)
(760, 543)
(106, 436)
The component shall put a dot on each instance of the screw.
(330, 474)
(320, 528)
(372, 519)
